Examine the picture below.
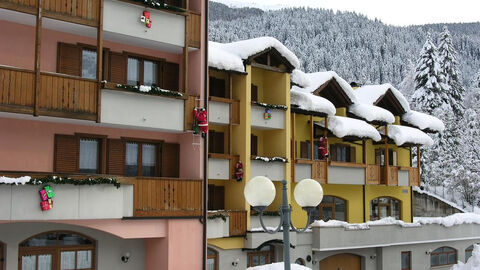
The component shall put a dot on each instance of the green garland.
(271, 106)
(159, 5)
(218, 215)
(157, 91)
(67, 180)
(267, 213)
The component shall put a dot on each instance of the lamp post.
(260, 193)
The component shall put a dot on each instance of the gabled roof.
(231, 56)
(425, 122)
(385, 96)
(405, 136)
(307, 103)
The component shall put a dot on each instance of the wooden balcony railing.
(319, 171)
(374, 174)
(238, 223)
(67, 96)
(414, 179)
(393, 176)
(17, 91)
(194, 29)
(158, 197)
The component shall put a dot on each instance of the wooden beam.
(387, 176)
(364, 157)
(38, 46)
(230, 85)
(325, 134)
(292, 146)
(311, 138)
(99, 59)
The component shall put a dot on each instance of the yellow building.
(258, 120)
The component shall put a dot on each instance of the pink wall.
(185, 244)
(127, 229)
(27, 145)
(156, 254)
(17, 50)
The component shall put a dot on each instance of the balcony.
(314, 169)
(221, 166)
(398, 176)
(275, 170)
(228, 223)
(136, 197)
(223, 111)
(277, 120)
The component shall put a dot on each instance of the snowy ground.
(277, 266)
(473, 262)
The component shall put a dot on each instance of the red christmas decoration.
(145, 18)
(322, 148)
(201, 119)
(239, 171)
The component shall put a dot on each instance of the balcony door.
(57, 250)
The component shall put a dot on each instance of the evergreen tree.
(430, 89)
(447, 56)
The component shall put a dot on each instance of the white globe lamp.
(259, 191)
(308, 193)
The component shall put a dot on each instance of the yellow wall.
(341, 111)
(400, 193)
(227, 243)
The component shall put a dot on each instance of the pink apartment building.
(99, 167)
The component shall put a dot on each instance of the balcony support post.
(418, 164)
(185, 55)
(99, 59)
(387, 161)
(293, 148)
(38, 47)
(312, 156)
(325, 134)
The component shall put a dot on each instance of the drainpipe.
(205, 144)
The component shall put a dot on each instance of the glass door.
(37, 260)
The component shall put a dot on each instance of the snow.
(20, 180)
(452, 204)
(344, 126)
(310, 102)
(300, 78)
(278, 266)
(369, 94)
(449, 221)
(402, 134)
(372, 113)
(317, 79)
(230, 56)
(473, 262)
(423, 121)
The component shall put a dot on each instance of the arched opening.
(2, 256)
(468, 253)
(331, 207)
(212, 259)
(264, 255)
(443, 256)
(382, 207)
(57, 250)
(342, 261)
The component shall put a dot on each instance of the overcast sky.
(396, 12)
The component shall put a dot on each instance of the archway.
(57, 250)
(344, 261)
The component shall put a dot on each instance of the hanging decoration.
(270, 106)
(46, 195)
(150, 90)
(145, 18)
(160, 5)
(322, 148)
(201, 124)
(239, 171)
(268, 114)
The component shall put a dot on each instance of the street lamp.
(260, 193)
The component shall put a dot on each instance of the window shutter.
(118, 68)
(253, 145)
(69, 59)
(333, 152)
(170, 76)
(353, 156)
(254, 92)
(115, 157)
(170, 160)
(66, 154)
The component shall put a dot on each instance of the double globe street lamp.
(260, 193)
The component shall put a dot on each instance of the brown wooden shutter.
(66, 154)
(170, 160)
(353, 156)
(303, 150)
(170, 76)
(254, 92)
(253, 145)
(333, 152)
(115, 157)
(118, 68)
(69, 59)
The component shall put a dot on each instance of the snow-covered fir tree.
(430, 87)
(447, 56)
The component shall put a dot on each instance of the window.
(406, 260)
(343, 153)
(218, 88)
(216, 142)
(150, 73)
(443, 256)
(305, 149)
(380, 157)
(261, 257)
(141, 159)
(331, 208)
(133, 71)
(71, 251)
(88, 162)
(89, 64)
(253, 145)
(137, 66)
(216, 197)
(77, 60)
(468, 253)
(384, 207)
(212, 259)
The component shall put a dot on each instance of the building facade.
(99, 165)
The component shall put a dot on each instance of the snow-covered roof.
(431, 194)
(317, 79)
(343, 126)
(311, 102)
(423, 121)
(230, 56)
(371, 113)
(402, 135)
(300, 78)
(371, 93)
